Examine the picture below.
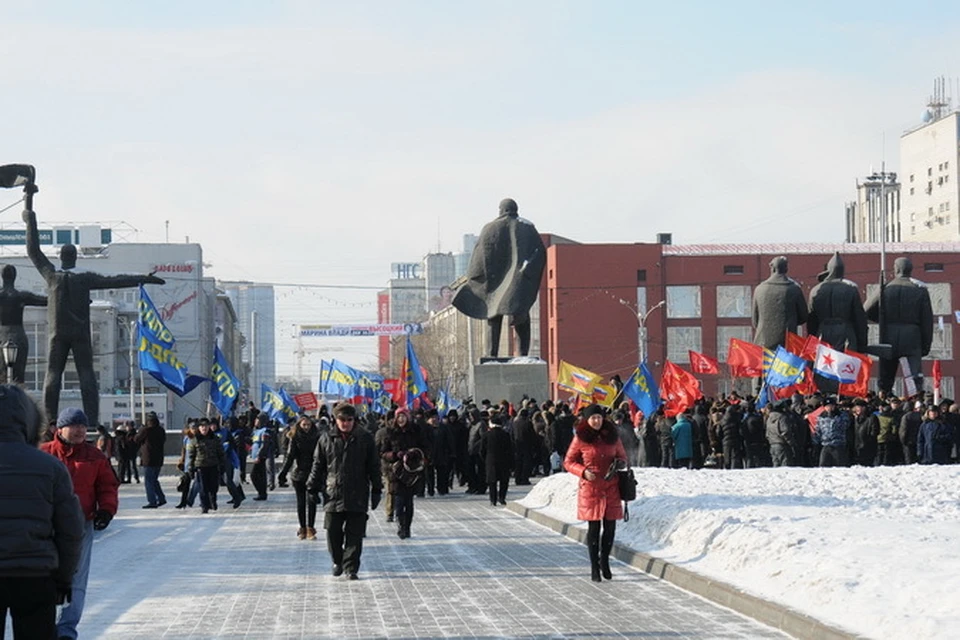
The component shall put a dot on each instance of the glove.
(101, 519)
(374, 500)
(64, 593)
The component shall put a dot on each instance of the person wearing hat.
(596, 450)
(497, 450)
(935, 438)
(403, 435)
(909, 430)
(41, 524)
(151, 440)
(830, 434)
(97, 488)
(346, 473)
(866, 429)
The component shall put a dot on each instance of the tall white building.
(929, 159)
(254, 305)
(876, 208)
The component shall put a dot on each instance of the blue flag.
(290, 406)
(416, 385)
(765, 395)
(446, 404)
(149, 317)
(785, 369)
(271, 402)
(643, 390)
(224, 386)
(156, 354)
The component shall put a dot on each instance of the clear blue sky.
(317, 142)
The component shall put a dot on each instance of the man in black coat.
(151, 440)
(498, 451)
(346, 473)
(525, 443)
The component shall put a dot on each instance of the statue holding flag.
(504, 276)
(68, 315)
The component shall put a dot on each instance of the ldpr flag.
(643, 390)
(700, 363)
(835, 365)
(679, 389)
(786, 369)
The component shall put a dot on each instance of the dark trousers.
(32, 603)
(666, 456)
(128, 470)
(243, 467)
(498, 490)
(731, 457)
(782, 455)
(430, 478)
(258, 475)
(306, 505)
(403, 508)
(209, 478)
(910, 454)
(479, 468)
(439, 476)
(599, 546)
(345, 531)
(833, 456)
(888, 372)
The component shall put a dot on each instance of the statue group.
(68, 306)
(836, 314)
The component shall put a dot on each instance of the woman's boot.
(605, 561)
(594, 551)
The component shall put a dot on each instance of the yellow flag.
(576, 379)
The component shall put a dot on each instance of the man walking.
(346, 473)
(97, 488)
(151, 440)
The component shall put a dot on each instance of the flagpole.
(133, 377)
(143, 401)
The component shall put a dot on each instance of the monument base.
(502, 378)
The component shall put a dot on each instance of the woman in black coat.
(303, 443)
(497, 448)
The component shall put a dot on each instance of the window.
(911, 177)
(740, 332)
(733, 269)
(733, 301)
(641, 275)
(682, 340)
(913, 230)
(913, 216)
(942, 346)
(934, 267)
(911, 190)
(683, 302)
(929, 171)
(946, 165)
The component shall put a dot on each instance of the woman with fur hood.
(594, 456)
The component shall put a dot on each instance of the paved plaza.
(469, 571)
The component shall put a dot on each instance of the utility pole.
(642, 329)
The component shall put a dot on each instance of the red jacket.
(596, 450)
(94, 481)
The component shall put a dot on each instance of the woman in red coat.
(592, 456)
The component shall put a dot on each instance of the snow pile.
(872, 550)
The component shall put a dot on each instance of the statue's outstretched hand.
(152, 279)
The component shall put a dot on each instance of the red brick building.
(595, 294)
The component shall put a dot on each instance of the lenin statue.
(68, 318)
(778, 306)
(12, 303)
(836, 310)
(907, 323)
(504, 275)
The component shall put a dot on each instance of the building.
(599, 299)
(439, 271)
(462, 258)
(929, 160)
(876, 211)
(254, 306)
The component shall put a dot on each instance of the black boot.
(605, 562)
(594, 551)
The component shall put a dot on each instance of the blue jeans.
(151, 482)
(68, 616)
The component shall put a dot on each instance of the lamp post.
(642, 329)
(10, 350)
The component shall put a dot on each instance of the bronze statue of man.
(504, 276)
(836, 310)
(778, 306)
(68, 318)
(12, 303)
(907, 323)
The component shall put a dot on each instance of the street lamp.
(642, 329)
(10, 350)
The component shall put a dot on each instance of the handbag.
(184, 483)
(627, 483)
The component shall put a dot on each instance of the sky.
(311, 144)
(863, 549)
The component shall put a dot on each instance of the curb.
(778, 616)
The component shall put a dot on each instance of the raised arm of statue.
(32, 299)
(122, 281)
(40, 261)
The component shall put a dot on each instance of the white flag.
(836, 365)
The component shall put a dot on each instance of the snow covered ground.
(874, 551)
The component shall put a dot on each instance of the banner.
(858, 388)
(576, 379)
(415, 381)
(224, 386)
(786, 369)
(643, 390)
(307, 401)
(794, 343)
(357, 330)
(290, 407)
(339, 379)
(604, 394)
(156, 355)
(274, 405)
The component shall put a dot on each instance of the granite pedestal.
(511, 380)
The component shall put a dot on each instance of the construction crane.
(301, 351)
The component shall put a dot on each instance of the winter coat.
(887, 428)
(730, 429)
(831, 430)
(398, 441)
(205, 452)
(682, 433)
(303, 445)
(94, 481)
(866, 427)
(631, 443)
(261, 446)
(497, 449)
(441, 445)
(346, 471)
(41, 523)
(560, 434)
(934, 442)
(151, 439)
(475, 439)
(596, 450)
(909, 428)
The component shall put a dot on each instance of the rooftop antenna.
(938, 105)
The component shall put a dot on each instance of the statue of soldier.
(778, 306)
(836, 310)
(907, 323)
(12, 303)
(68, 317)
(504, 276)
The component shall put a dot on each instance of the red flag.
(745, 359)
(678, 388)
(858, 388)
(700, 363)
(806, 387)
(396, 390)
(794, 344)
(812, 418)
(809, 351)
(937, 375)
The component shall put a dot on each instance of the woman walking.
(303, 443)
(594, 456)
(206, 461)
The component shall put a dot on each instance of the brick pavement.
(469, 571)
